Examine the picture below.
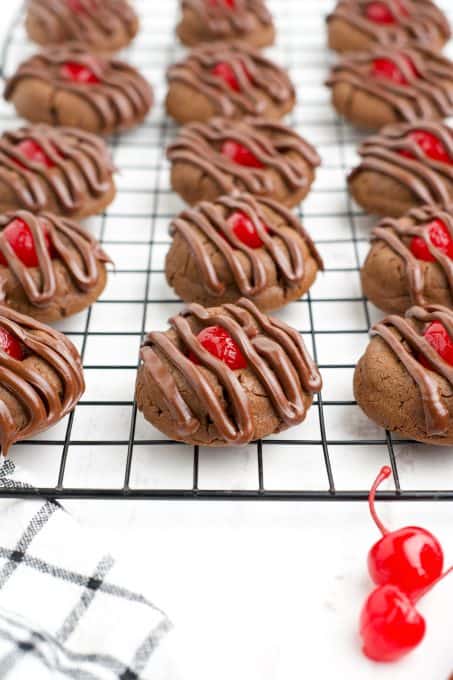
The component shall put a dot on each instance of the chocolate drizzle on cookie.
(207, 224)
(121, 97)
(428, 180)
(271, 143)
(397, 234)
(96, 17)
(275, 353)
(83, 167)
(221, 20)
(424, 22)
(404, 336)
(258, 79)
(427, 94)
(41, 402)
(73, 245)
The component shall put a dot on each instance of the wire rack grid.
(105, 449)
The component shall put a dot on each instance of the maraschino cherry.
(11, 345)
(439, 236)
(390, 625)
(31, 150)
(221, 345)
(245, 230)
(431, 146)
(380, 13)
(410, 558)
(19, 236)
(388, 70)
(78, 73)
(437, 336)
(226, 73)
(77, 6)
(239, 154)
(225, 3)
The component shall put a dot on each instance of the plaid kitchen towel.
(67, 610)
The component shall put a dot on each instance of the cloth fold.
(67, 609)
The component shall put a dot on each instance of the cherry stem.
(384, 474)
(432, 585)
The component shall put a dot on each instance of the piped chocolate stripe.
(42, 404)
(398, 237)
(404, 336)
(73, 245)
(199, 144)
(205, 224)
(275, 354)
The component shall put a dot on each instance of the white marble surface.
(272, 591)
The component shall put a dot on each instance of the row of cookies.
(225, 373)
(392, 76)
(50, 266)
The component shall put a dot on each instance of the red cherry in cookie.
(245, 230)
(410, 558)
(78, 7)
(10, 344)
(390, 625)
(380, 13)
(437, 336)
(238, 153)
(439, 236)
(388, 70)
(431, 146)
(31, 150)
(226, 73)
(78, 73)
(221, 345)
(20, 238)
(225, 3)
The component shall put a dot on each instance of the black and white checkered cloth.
(67, 610)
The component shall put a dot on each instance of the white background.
(272, 591)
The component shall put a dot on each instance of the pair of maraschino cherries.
(404, 564)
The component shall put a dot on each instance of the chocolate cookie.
(363, 24)
(50, 267)
(404, 381)
(239, 246)
(410, 261)
(225, 376)
(70, 87)
(254, 156)
(383, 86)
(404, 166)
(211, 20)
(102, 25)
(41, 377)
(64, 171)
(232, 81)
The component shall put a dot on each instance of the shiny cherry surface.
(388, 70)
(226, 73)
(221, 345)
(410, 558)
(437, 336)
(390, 625)
(31, 150)
(245, 230)
(431, 146)
(240, 154)
(78, 73)
(379, 12)
(20, 238)
(222, 3)
(10, 344)
(440, 237)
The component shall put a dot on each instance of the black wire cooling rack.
(105, 449)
